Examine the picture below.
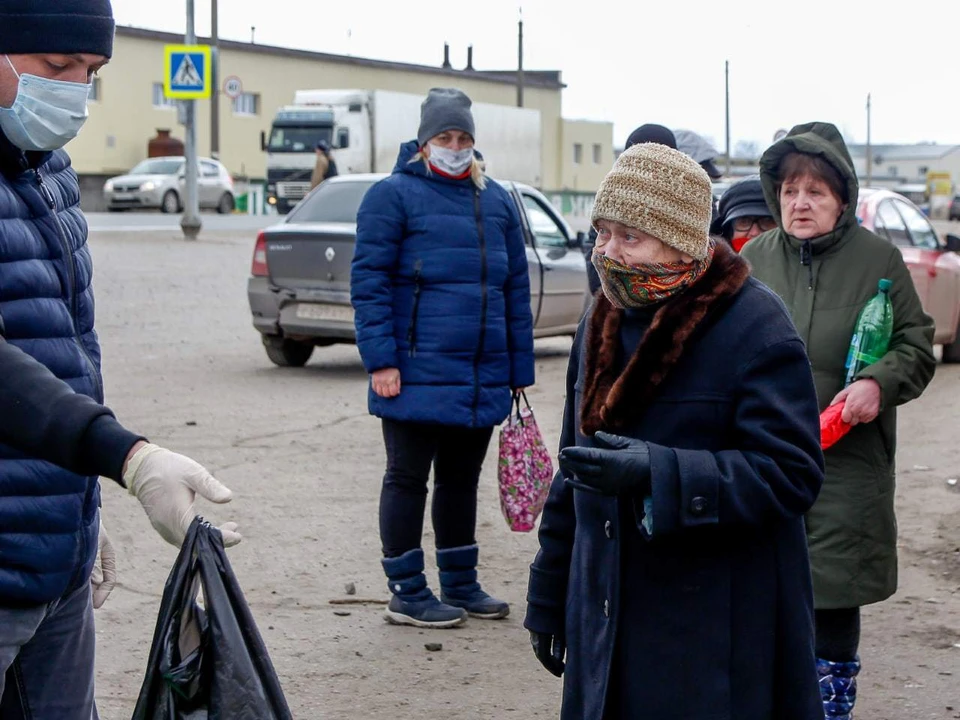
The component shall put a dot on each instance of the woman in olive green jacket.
(826, 267)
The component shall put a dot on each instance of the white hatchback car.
(159, 183)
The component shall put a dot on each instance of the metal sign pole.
(190, 222)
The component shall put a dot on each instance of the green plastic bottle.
(874, 328)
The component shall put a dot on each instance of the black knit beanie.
(56, 26)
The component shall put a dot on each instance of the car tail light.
(259, 266)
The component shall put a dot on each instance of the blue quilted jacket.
(48, 527)
(441, 291)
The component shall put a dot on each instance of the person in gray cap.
(441, 294)
(743, 213)
(55, 435)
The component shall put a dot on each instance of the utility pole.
(869, 147)
(190, 222)
(214, 83)
(727, 73)
(520, 61)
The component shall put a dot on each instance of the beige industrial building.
(128, 107)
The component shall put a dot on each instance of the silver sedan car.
(158, 183)
(299, 286)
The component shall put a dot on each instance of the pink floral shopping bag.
(525, 469)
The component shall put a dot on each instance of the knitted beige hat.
(662, 192)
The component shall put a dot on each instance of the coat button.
(608, 529)
(698, 505)
(606, 608)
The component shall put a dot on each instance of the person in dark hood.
(743, 213)
(826, 267)
(647, 133)
(441, 290)
(673, 580)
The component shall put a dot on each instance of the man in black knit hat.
(55, 435)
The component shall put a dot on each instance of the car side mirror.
(263, 141)
(343, 138)
(578, 240)
(953, 243)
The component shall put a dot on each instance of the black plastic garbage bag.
(207, 663)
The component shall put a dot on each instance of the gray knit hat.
(444, 109)
(662, 192)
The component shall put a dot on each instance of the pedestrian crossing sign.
(187, 72)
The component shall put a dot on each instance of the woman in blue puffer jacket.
(441, 292)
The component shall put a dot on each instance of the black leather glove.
(617, 465)
(550, 650)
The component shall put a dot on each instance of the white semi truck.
(365, 128)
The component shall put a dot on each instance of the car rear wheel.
(225, 205)
(287, 353)
(170, 203)
(951, 352)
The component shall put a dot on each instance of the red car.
(934, 263)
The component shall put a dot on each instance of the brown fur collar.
(609, 401)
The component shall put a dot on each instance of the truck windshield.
(335, 202)
(298, 139)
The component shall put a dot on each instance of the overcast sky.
(663, 61)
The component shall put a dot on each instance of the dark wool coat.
(709, 616)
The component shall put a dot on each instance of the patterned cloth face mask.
(645, 284)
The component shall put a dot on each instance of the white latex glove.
(104, 575)
(166, 484)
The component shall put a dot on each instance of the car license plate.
(323, 311)
(123, 196)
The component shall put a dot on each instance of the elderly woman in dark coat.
(673, 579)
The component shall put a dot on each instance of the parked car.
(299, 289)
(934, 264)
(159, 183)
(954, 212)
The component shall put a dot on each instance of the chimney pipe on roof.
(446, 57)
(469, 58)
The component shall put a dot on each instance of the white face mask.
(452, 162)
(46, 114)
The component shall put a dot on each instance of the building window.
(159, 100)
(577, 153)
(94, 95)
(246, 104)
(597, 153)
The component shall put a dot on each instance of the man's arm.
(40, 415)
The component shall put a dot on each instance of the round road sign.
(232, 87)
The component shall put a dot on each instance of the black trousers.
(838, 634)
(456, 454)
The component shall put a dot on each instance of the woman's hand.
(862, 401)
(386, 382)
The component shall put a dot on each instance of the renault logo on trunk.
(330, 254)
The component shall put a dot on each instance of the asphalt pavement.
(184, 366)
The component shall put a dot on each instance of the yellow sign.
(187, 72)
(939, 183)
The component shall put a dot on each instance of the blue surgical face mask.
(452, 162)
(46, 114)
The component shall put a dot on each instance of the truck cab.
(291, 152)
